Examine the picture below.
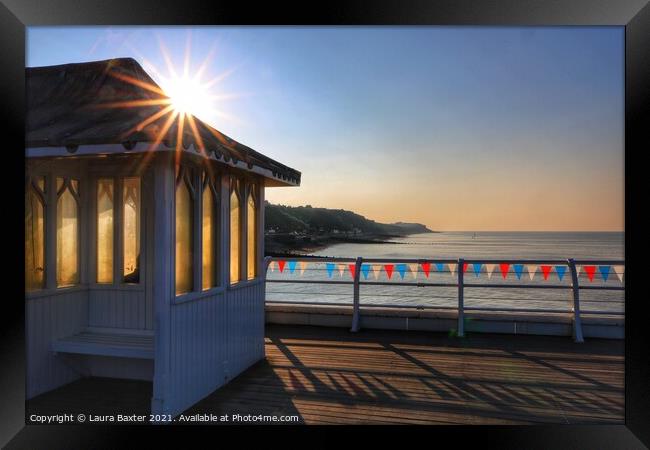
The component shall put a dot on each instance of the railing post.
(577, 323)
(355, 304)
(461, 307)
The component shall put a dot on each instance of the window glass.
(67, 238)
(209, 239)
(105, 230)
(251, 254)
(34, 241)
(184, 211)
(235, 238)
(131, 229)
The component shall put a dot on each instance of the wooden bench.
(116, 342)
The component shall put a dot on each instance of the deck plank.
(332, 376)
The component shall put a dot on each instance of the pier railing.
(567, 271)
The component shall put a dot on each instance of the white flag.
(303, 266)
(490, 269)
(272, 266)
(532, 268)
(376, 270)
(620, 271)
(341, 269)
(414, 270)
(452, 268)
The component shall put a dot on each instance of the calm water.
(492, 245)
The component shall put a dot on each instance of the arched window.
(209, 234)
(251, 236)
(184, 235)
(131, 229)
(35, 235)
(105, 231)
(235, 234)
(67, 232)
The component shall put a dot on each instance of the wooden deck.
(331, 376)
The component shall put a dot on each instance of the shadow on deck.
(328, 375)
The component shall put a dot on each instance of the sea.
(467, 245)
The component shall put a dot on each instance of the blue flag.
(477, 269)
(330, 269)
(604, 271)
(365, 270)
(401, 268)
(519, 268)
(440, 266)
(560, 270)
(292, 266)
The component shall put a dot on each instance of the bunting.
(519, 268)
(330, 269)
(365, 270)
(376, 270)
(352, 268)
(477, 268)
(272, 266)
(489, 268)
(452, 268)
(590, 271)
(414, 270)
(619, 271)
(401, 268)
(426, 268)
(560, 270)
(303, 266)
(440, 267)
(503, 267)
(341, 269)
(281, 264)
(604, 272)
(532, 269)
(389, 270)
(546, 270)
(292, 266)
(465, 267)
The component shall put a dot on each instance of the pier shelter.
(143, 237)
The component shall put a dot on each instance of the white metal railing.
(571, 264)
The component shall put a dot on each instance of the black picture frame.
(634, 15)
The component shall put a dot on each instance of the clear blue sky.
(460, 128)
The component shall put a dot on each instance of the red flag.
(465, 267)
(389, 270)
(351, 267)
(426, 267)
(546, 270)
(281, 264)
(590, 271)
(504, 269)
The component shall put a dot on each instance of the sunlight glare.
(188, 96)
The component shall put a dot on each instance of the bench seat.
(108, 342)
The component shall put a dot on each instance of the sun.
(189, 96)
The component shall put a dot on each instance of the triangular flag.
(489, 268)
(389, 270)
(330, 269)
(440, 267)
(604, 272)
(619, 271)
(365, 270)
(414, 270)
(341, 269)
(578, 269)
(292, 266)
(503, 267)
(519, 268)
(452, 268)
(546, 270)
(376, 270)
(477, 268)
(303, 266)
(590, 270)
(281, 264)
(426, 268)
(560, 270)
(465, 267)
(532, 269)
(272, 266)
(352, 269)
(401, 268)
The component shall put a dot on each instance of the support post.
(355, 306)
(577, 322)
(461, 300)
